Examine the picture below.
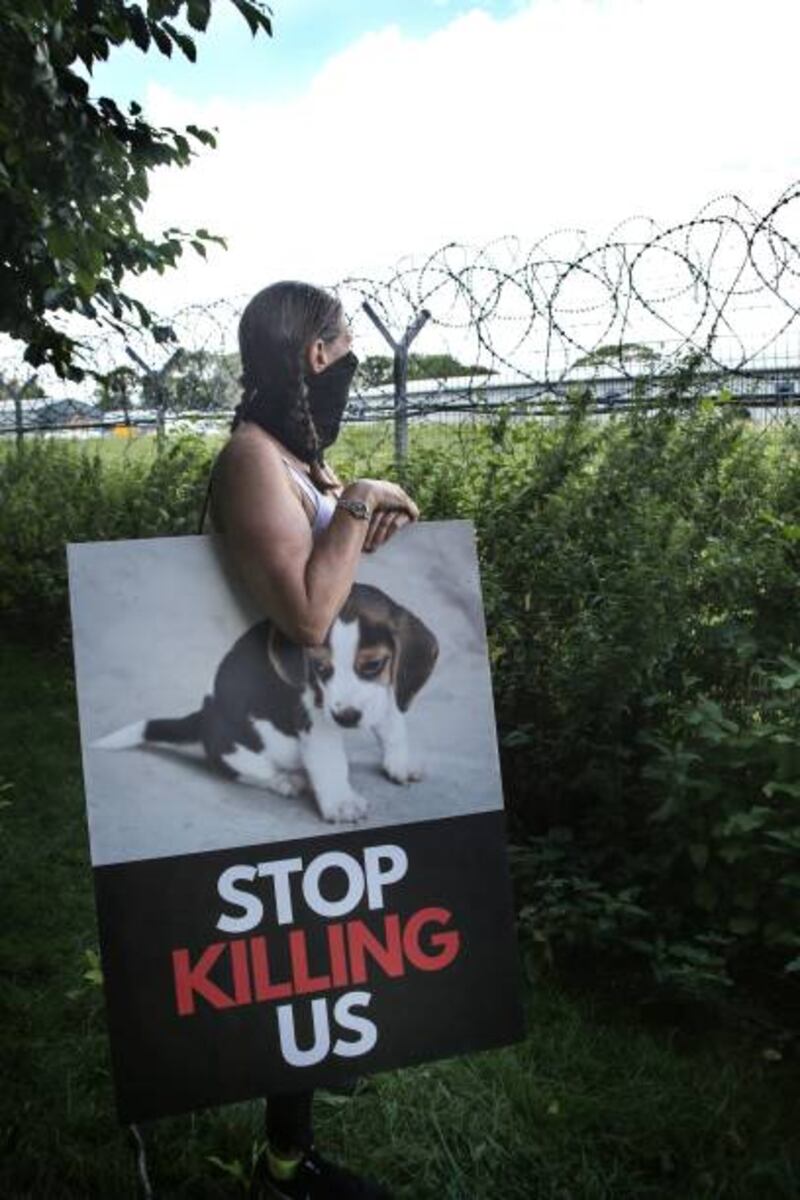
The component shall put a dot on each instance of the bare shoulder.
(248, 467)
(252, 498)
(248, 449)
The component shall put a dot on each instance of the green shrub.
(640, 585)
(53, 492)
(637, 575)
(725, 817)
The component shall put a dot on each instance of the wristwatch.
(356, 508)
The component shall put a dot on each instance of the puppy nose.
(348, 717)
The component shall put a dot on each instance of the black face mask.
(328, 393)
(327, 398)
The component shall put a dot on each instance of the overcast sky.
(364, 132)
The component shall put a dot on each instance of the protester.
(294, 534)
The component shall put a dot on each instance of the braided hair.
(276, 329)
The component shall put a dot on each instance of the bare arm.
(299, 582)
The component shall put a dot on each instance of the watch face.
(357, 507)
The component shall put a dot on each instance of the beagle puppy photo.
(203, 727)
(278, 714)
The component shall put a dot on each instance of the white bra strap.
(305, 484)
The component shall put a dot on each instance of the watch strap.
(357, 508)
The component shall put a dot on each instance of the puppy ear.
(288, 659)
(417, 651)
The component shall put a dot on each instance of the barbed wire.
(691, 288)
(722, 289)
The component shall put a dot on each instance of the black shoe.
(318, 1179)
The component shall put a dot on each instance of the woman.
(295, 535)
(293, 532)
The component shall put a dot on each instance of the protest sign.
(298, 853)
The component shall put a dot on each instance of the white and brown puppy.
(277, 712)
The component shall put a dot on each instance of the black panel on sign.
(351, 960)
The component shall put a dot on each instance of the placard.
(298, 853)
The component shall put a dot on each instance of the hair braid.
(301, 418)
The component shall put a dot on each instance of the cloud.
(565, 113)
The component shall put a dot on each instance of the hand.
(384, 524)
(383, 495)
(390, 506)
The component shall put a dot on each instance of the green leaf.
(786, 682)
(776, 786)
(94, 972)
(202, 135)
(255, 15)
(85, 281)
(790, 839)
(183, 41)
(137, 23)
(161, 39)
(698, 853)
(745, 822)
(233, 1168)
(198, 12)
(60, 241)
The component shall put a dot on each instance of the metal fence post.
(399, 374)
(156, 386)
(18, 417)
(18, 395)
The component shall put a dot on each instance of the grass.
(596, 1104)
(362, 446)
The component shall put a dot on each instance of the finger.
(399, 522)
(378, 526)
(379, 531)
(373, 524)
(379, 536)
(409, 506)
(389, 524)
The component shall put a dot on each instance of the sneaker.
(318, 1179)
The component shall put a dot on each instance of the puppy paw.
(299, 781)
(400, 770)
(289, 783)
(349, 808)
